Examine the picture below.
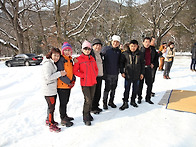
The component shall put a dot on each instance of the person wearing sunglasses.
(86, 68)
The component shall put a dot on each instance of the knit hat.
(86, 44)
(65, 46)
(96, 41)
(116, 38)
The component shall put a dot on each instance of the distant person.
(86, 68)
(169, 58)
(193, 57)
(65, 83)
(50, 75)
(149, 56)
(95, 52)
(111, 59)
(132, 69)
(161, 48)
(156, 61)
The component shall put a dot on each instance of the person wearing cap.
(86, 68)
(96, 49)
(111, 60)
(65, 83)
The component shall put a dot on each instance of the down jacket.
(86, 69)
(132, 64)
(50, 76)
(65, 63)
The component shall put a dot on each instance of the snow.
(23, 113)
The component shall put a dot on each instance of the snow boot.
(133, 104)
(139, 100)
(66, 122)
(124, 106)
(54, 128)
(87, 123)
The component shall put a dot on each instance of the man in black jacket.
(111, 58)
(149, 56)
(132, 69)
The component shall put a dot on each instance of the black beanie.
(96, 41)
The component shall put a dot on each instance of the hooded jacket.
(132, 64)
(86, 69)
(50, 76)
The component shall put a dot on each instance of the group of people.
(97, 63)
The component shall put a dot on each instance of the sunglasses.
(87, 49)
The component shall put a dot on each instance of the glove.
(72, 83)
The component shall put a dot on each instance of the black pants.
(148, 81)
(193, 63)
(88, 92)
(51, 101)
(127, 90)
(64, 95)
(168, 66)
(110, 86)
(97, 94)
(154, 70)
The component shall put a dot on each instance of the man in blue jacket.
(111, 60)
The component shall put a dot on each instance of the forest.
(34, 26)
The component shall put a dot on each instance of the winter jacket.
(99, 61)
(50, 76)
(132, 64)
(65, 63)
(169, 55)
(152, 53)
(86, 69)
(193, 51)
(111, 60)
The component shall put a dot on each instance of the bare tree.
(161, 15)
(12, 14)
(70, 30)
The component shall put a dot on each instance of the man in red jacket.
(86, 68)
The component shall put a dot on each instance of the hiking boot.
(111, 104)
(139, 100)
(124, 106)
(87, 123)
(99, 109)
(66, 123)
(164, 77)
(54, 128)
(168, 77)
(105, 106)
(149, 101)
(54, 123)
(133, 104)
(69, 118)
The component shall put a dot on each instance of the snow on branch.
(8, 44)
(5, 33)
(74, 9)
(83, 19)
(189, 30)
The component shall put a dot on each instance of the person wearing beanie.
(95, 52)
(111, 55)
(65, 83)
(86, 68)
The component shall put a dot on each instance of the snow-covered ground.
(23, 113)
